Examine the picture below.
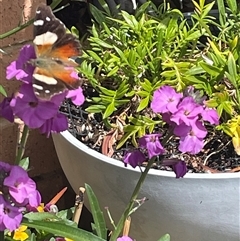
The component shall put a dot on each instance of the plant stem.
(130, 205)
(21, 144)
(19, 28)
(15, 30)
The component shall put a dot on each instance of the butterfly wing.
(54, 50)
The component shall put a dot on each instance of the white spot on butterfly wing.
(38, 11)
(45, 79)
(45, 38)
(38, 87)
(47, 91)
(48, 19)
(39, 22)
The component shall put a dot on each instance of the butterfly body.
(55, 50)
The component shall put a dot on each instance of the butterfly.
(55, 51)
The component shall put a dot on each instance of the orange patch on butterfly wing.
(42, 71)
(66, 51)
(43, 49)
(67, 77)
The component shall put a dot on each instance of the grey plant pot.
(198, 207)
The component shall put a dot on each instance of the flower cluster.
(151, 144)
(185, 113)
(17, 191)
(34, 112)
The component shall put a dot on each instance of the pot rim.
(74, 141)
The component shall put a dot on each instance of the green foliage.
(99, 222)
(130, 56)
(61, 229)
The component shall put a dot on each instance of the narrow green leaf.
(96, 108)
(126, 137)
(110, 109)
(39, 216)
(98, 15)
(143, 104)
(61, 229)
(107, 92)
(95, 56)
(212, 70)
(232, 4)
(232, 68)
(102, 43)
(2, 91)
(194, 35)
(113, 71)
(24, 163)
(121, 54)
(97, 213)
(165, 237)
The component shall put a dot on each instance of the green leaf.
(24, 163)
(102, 43)
(97, 213)
(61, 229)
(107, 92)
(33, 237)
(94, 56)
(39, 216)
(121, 54)
(212, 70)
(165, 237)
(113, 71)
(127, 135)
(98, 15)
(96, 108)
(232, 68)
(109, 110)
(194, 35)
(232, 4)
(143, 104)
(2, 91)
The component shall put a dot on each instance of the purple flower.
(5, 167)
(210, 115)
(6, 110)
(76, 96)
(10, 216)
(191, 137)
(188, 109)
(165, 99)
(152, 144)
(56, 124)
(34, 198)
(21, 68)
(134, 158)
(30, 109)
(21, 187)
(191, 144)
(179, 167)
(124, 238)
(197, 128)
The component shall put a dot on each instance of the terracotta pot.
(198, 207)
